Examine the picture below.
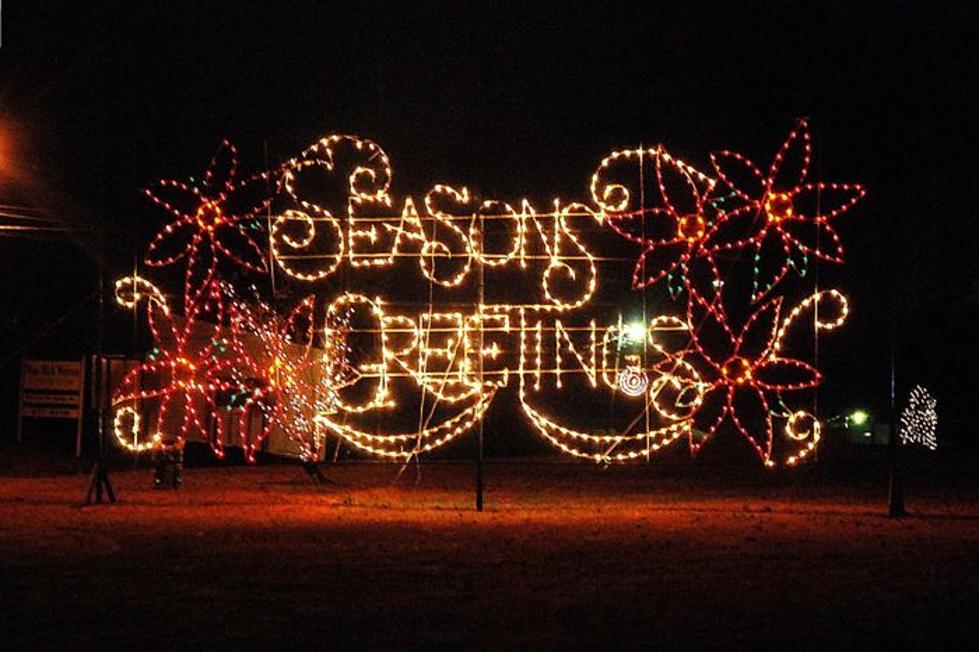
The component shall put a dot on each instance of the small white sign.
(52, 389)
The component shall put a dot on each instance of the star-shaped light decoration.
(279, 376)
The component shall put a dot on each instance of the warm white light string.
(458, 361)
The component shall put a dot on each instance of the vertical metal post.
(100, 476)
(645, 338)
(479, 434)
(268, 217)
(100, 350)
(895, 487)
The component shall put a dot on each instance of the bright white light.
(635, 332)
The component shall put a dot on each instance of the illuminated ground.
(564, 556)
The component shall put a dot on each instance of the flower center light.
(691, 227)
(737, 370)
(183, 372)
(209, 215)
(778, 206)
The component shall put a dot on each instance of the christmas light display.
(780, 211)
(742, 368)
(490, 293)
(184, 373)
(670, 234)
(211, 217)
(278, 378)
(633, 380)
(919, 419)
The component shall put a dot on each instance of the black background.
(97, 99)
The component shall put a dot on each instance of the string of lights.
(919, 419)
(693, 369)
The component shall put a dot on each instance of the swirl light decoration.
(633, 381)
(478, 293)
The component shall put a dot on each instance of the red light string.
(227, 354)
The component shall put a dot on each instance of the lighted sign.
(450, 300)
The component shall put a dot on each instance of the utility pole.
(99, 377)
(895, 486)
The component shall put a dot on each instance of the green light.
(635, 332)
(859, 417)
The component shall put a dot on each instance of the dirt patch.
(563, 557)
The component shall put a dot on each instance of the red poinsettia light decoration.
(211, 217)
(783, 216)
(745, 368)
(669, 234)
(188, 368)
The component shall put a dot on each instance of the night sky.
(513, 99)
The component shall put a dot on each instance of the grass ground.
(565, 556)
